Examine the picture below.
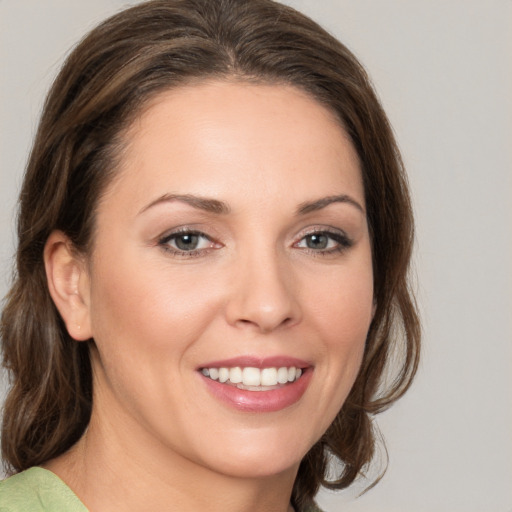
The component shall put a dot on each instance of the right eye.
(186, 243)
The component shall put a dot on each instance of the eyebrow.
(220, 207)
(201, 203)
(312, 206)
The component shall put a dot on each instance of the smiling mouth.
(254, 379)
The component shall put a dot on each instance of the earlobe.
(68, 284)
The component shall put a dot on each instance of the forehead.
(215, 136)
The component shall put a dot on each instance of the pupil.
(317, 241)
(187, 242)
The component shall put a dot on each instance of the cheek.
(136, 299)
(342, 317)
(144, 323)
(343, 304)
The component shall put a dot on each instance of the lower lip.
(260, 401)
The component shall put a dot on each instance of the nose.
(264, 295)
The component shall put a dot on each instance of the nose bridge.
(264, 294)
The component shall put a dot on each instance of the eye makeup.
(324, 242)
(187, 243)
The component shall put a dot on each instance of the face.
(229, 289)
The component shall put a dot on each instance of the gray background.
(443, 71)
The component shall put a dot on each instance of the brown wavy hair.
(103, 86)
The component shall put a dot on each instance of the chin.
(260, 468)
(260, 456)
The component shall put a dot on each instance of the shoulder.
(37, 490)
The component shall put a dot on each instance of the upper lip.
(258, 362)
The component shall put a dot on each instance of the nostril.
(265, 326)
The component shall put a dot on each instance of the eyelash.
(343, 242)
(164, 243)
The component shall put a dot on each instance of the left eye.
(323, 241)
(187, 241)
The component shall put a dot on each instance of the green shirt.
(40, 490)
(37, 490)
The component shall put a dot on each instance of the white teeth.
(223, 374)
(282, 375)
(235, 375)
(269, 377)
(254, 378)
(251, 376)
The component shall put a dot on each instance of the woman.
(214, 238)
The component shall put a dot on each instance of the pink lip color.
(258, 362)
(260, 401)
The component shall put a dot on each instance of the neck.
(108, 470)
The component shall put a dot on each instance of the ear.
(69, 285)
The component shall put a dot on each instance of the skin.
(158, 439)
